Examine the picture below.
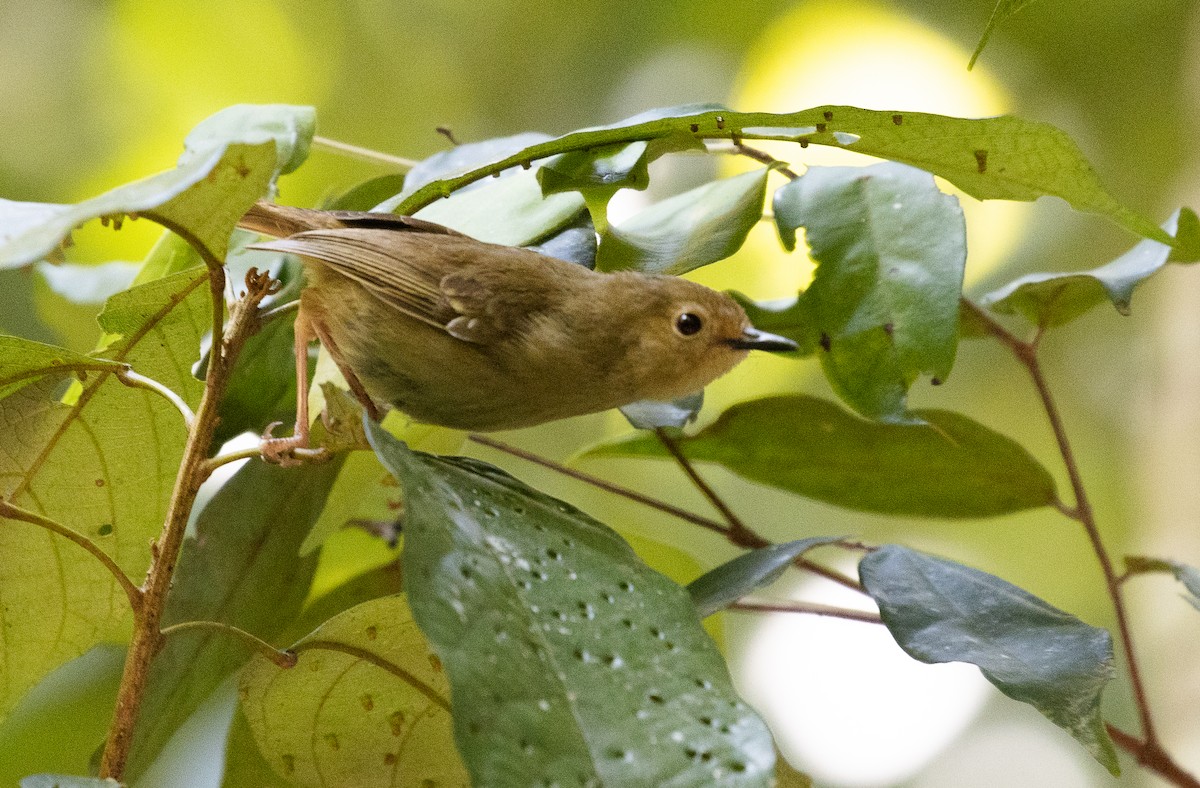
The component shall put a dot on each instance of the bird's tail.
(280, 221)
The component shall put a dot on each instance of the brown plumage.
(477, 336)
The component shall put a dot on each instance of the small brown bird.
(476, 336)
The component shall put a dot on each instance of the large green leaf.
(1052, 299)
(508, 210)
(245, 765)
(891, 249)
(608, 677)
(729, 582)
(22, 361)
(103, 465)
(949, 467)
(229, 161)
(241, 568)
(365, 705)
(689, 230)
(940, 611)
(1006, 158)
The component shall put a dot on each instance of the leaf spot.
(396, 722)
(898, 119)
(981, 157)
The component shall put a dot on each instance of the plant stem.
(365, 154)
(737, 532)
(147, 636)
(1151, 756)
(17, 513)
(134, 380)
(284, 658)
(654, 503)
(755, 605)
(1026, 354)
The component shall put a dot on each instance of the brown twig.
(1151, 756)
(755, 605)
(284, 658)
(654, 503)
(738, 532)
(1026, 354)
(147, 636)
(762, 157)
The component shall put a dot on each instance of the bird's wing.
(472, 290)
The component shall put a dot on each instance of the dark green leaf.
(989, 158)
(729, 582)
(603, 170)
(791, 318)
(366, 705)
(689, 230)
(1187, 238)
(575, 243)
(386, 580)
(1052, 299)
(263, 386)
(949, 467)
(649, 415)
(940, 611)
(103, 463)
(891, 249)
(244, 765)
(229, 161)
(608, 675)
(1003, 10)
(242, 568)
(22, 361)
(366, 195)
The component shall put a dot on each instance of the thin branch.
(653, 503)
(1151, 756)
(135, 380)
(376, 660)
(756, 605)
(364, 154)
(284, 658)
(132, 592)
(164, 552)
(738, 532)
(762, 157)
(1026, 354)
(213, 463)
(599, 483)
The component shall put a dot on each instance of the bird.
(482, 337)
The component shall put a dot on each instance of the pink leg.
(279, 450)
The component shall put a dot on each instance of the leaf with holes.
(608, 676)
(241, 568)
(366, 705)
(940, 611)
(103, 465)
(1053, 299)
(1006, 158)
(229, 161)
(949, 466)
(721, 587)
(890, 250)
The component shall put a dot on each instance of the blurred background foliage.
(98, 93)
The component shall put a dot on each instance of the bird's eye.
(688, 324)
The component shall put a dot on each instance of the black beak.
(753, 339)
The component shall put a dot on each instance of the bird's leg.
(280, 450)
(356, 386)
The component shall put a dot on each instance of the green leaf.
(1053, 299)
(458, 160)
(950, 466)
(1005, 158)
(791, 318)
(241, 568)
(575, 243)
(370, 193)
(244, 764)
(940, 611)
(608, 675)
(365, 705)
(689, 230)
(229, 161)
(23, 361)
(103, 465)
(509, 211)
(891, 250)
(1003, 10)
(88, 284)
(66, 781)
(263, 386)
(721, 587)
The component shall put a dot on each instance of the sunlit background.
(93, 94)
